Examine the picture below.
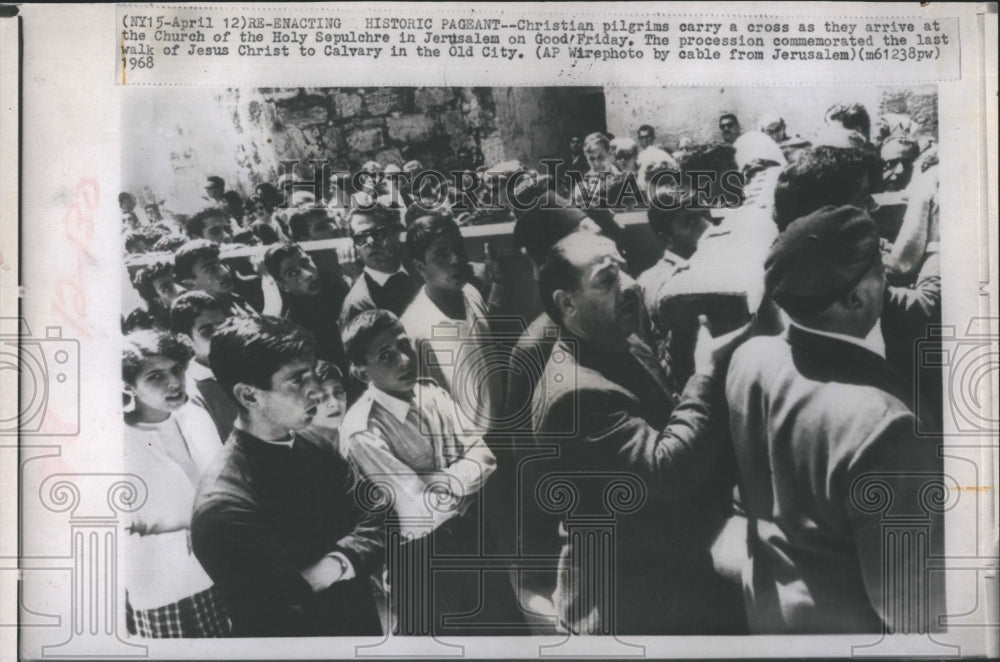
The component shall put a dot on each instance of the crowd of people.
(438, 409)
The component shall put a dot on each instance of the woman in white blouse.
(168, 444)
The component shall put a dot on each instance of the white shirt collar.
(424, 312)
(287, 443)
(398, 408)
(673, 258)
(199, 372)
(382, 277)
(873, 342)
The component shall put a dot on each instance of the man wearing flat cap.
(825, 444)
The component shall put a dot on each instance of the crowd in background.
(272, 409)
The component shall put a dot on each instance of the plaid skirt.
(200, 615)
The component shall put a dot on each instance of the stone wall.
(694, 112)
(176, 137)
(243, 134)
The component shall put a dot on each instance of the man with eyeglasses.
(383, 282)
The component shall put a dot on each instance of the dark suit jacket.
(319, 315)
(609, 415)
(366, 294)
(264, 512)
(823, 433)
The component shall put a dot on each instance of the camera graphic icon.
(45, 373)
(972, 361)
(494, 380)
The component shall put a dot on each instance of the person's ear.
(852, 301)
(246, 395)
(421, 268)
(360, 373)
(564, 303)
(128, 389)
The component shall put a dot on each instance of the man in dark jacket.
(603, 400)
(311, 298)
(383, 282)
(278, 521)
(825, 444)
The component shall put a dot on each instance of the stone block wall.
(676, 113)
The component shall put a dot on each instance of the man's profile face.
(606, 301)
(377, 241)
(871, 290)
(167, 289)
(897, 169)
(445, 265)
(776, 131)
(294, 397)
(645, 139)
(212, 276)
(202, 331)
(217, 230)
(597, 156)
(321, 227)
(730, 129)
(298, 275)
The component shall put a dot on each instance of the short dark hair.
(246, 237)
(719, 157)
(250, 351)
(646, 127)
(299, 222)
(853, 116)
(550, 218)
(186, 308)
(424, 230)
(558, 273)
(195, 225)
(264, 232)
(669, 205)
(380, 214)
(169, 243)
(233, 198)
(362, 329)
(268, 194)
(190, 254)
(729, 116)
(325, 371)
(141, 345)
(144, 277)
(136, 242)
(278, 253)
(125, 196)
(819, 177)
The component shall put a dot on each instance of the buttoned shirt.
(455, 354)
(414, 449)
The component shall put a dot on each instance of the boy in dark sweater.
(278, 520)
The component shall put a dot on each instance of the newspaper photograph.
(526, 330)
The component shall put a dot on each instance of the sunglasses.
(375, 234)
